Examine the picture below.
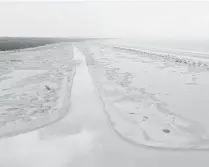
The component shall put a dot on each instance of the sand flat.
(87, 136)
(167, 100)
(34, 87)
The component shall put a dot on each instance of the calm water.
(196, 48)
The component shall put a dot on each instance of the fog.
(188, 20)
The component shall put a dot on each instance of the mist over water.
(187, 45)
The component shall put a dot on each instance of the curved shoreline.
(63, 107)
(114, 120)
(187, 137)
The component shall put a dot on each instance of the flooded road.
(85, 138)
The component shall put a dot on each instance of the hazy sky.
(106, 19)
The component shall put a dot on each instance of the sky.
(179, 20)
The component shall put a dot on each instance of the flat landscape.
(152, 99)
(101, 103)
(34, 85)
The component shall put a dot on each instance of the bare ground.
(35, 87)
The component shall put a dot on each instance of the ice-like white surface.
(18, 75)
(31, 82)
(151, 102)
(194, 51)
(85, 138)
(41, 148)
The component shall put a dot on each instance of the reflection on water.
(149, 100)
(32, 150)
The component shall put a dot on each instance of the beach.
(150, 99)
(115, 107)
(34, 87)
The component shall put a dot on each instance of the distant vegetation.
(15, 43)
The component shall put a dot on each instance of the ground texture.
(34, 87)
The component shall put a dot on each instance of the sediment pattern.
(137, 112)
(35, 87)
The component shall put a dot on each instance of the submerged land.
(102, 103)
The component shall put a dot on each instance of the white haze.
(188, 20)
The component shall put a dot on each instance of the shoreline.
(15, 76)
(187, 60)
(125, 119)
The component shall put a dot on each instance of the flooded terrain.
(121, 109)
(151, 100)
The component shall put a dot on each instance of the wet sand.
(35, 87)
(85, 137)
(152, 102)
